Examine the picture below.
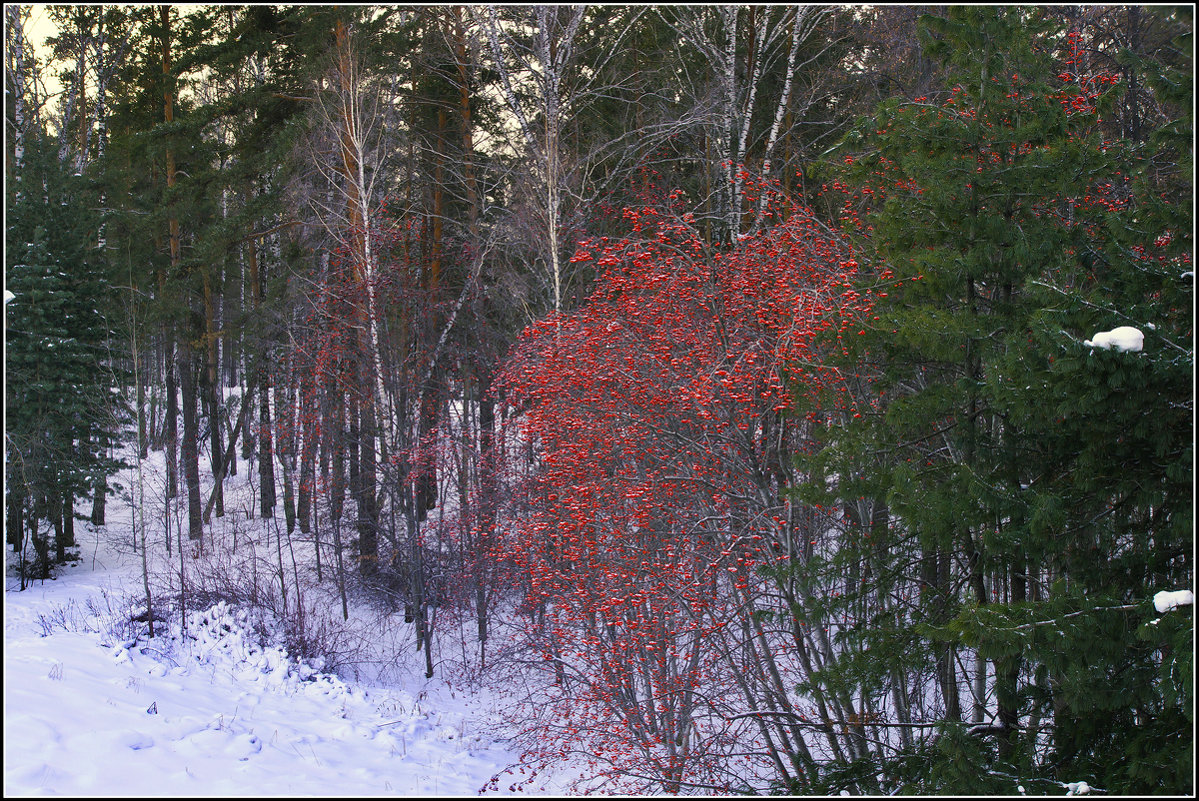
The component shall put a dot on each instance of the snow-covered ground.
(93, 706)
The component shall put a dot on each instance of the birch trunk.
(15, 47)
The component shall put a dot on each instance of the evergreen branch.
(828, 723)
(267, 232)
(1035, 623)
(1105, 310)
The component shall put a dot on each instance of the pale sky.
(40, 27)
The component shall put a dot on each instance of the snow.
(8, 296)
(94, 706)
(1165, 600)
(216, 714)
(1077, 788)
(1122, 338)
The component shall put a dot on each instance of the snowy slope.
(93, 706)
(217, 715)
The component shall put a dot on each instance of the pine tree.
(1037, 486)
(63, 385)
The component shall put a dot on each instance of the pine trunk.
(173, 227)
(213, 391)
(14, 516)
(99, 502)
(191, 434)
(171, 424)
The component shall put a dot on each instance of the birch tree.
(348, 108)
(549, 73)
(741, 46)
(17, 84)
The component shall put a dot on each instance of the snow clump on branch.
(1165, 600)
(1123, 338)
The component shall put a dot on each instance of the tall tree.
(554, 68)
(998, 221)
(62, 383)
(186, 363)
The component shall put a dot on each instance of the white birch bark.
(728, 66)
(544, 69)
(81, 46)
(15, 80)
(747, 112)
(551, 85)
(803, 21)
(735, 93)
(358, 128)
(350, 112)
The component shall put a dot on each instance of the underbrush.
(269, 577)
(209, 623)
(222, 635)
(112, 616)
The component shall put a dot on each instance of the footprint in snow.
(133, 740)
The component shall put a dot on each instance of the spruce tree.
(1037, 484)
(63, 386)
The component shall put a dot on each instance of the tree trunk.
(41, 546)
(15, 513)
(337, 484)
(935, 575)
(1007, 672)
(464, 111)
(485, 466)
(68, 519)
(142, 439)
(103, 68)
(307, 458)
(213, 391)
(487, 509)
(368, 406)
(14, 30)
(170, 427)
(99, 500)
(173, 226)
(231, 448)
(266, 459)
(948, 664)
(285, 415)
(266, 462)
(368, 510)
(55, 507)
(352, 451)
(191, 434)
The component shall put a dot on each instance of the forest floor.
(214, 704)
